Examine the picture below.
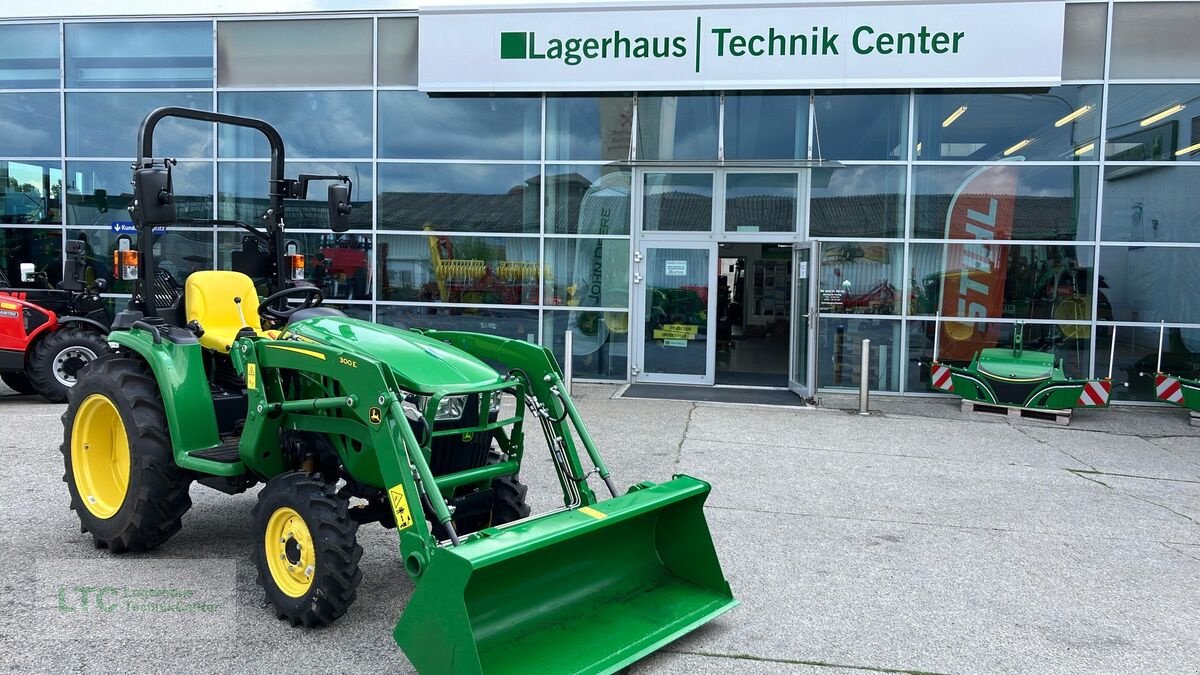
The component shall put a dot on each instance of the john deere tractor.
(346, 423)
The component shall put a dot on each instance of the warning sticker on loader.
(404, 518)
(251, 376)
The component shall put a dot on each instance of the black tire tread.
(41, 358)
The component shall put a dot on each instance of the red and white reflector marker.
(940, 376)
(1095, 393)
(1168, 388)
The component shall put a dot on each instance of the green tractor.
(347, 422)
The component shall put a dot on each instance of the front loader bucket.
(588, 590)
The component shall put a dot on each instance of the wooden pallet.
(1017, 412)
(1195, 418)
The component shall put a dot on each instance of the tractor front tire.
(307, 553)
(508, 500)
(18, 382)
(122, 477)
(55, 361)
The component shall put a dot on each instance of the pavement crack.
(1179, 551)
(1084, 475)
(802, 662)
(687, 427)
(1096, 472)
(1024, 432)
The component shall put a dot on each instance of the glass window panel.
(1137, 357)
(1152, 204)
(857, 201)
(98, 193)
(588, 127)
(1083, 41)
(312, 123)
(242, 191)
(414, 125)
(29, 125)
(465, 270)
(1153, 122)
(339, 264)
(142, 54)
(587, 272)
(1155, 40)
(180, 252)
(991, 281)
(860, 126)
(600, 344)
(459, 197)
(520, 324)
(587, 199)
(760, 202)
(398, 52)
(1062, 123)
(42, 247)
(105, 124)
(30, 193)
(678, 202)
(1028, 202)
(29, 57)
(98, 247)
(861, 278)
(314, 52)
(1150, 283)
(764, 125)
(677, 127)
(839, 353)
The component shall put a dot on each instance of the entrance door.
(677, 338)
(802, 373)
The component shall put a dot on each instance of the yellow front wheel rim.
(290, 554)
(100, 456)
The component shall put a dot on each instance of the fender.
(85, 321)
(22, 340)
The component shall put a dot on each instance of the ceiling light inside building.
(954, 115)
(1162, 115)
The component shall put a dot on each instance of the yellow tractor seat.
(208, 299)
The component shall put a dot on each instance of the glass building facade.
(521, 214)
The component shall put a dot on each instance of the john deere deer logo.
(375, 416)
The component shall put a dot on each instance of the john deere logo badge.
(375, 415)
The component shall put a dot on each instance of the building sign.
(641, 46)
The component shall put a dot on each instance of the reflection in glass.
(678, 202)
(1137, 357)
(1061, 124)
(857, 201)
(312, 123)
(304, 52)
(459, 197)
(29, 125)
(587, 272)
(861, 278)
(1151, 283)
(839, 353)
(467, 270)
(860, 126)
(242, 191)
(519, 324)
(588, 127)
(105, 124)
(1151, 122)
(98, 193)
(338, 264)
(181, 252)
(760, 202)
(142, 54)
(587, 199)
(766, 125)
(398, 51)
(98, 247)
(677, 127)
(600, 344)
(29, 57)
(30, 193)
(1152, 205)
(42, 247)
(1155, 40)
(676, 331)
(1010, 201)
(415, 125)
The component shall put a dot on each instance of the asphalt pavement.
(916, 539)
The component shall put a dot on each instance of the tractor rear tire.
(55, 361)
(18, 382)
(306, 552)
(124, 483)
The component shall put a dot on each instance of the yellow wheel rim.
(100, 456)
(290, 554)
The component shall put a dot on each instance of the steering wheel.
(313, 297)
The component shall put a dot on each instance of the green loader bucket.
(589, 590)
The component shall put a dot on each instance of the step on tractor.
(48, 334)
(346, 423)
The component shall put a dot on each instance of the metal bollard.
(864, 383)
(568, 360)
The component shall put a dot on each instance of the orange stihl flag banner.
(980, 213)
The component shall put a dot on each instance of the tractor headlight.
(451, 408)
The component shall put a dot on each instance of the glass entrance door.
(802, 371)
(677, 341)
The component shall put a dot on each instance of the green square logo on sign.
(513, 45)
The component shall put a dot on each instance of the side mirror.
(339, 207)
(155, 199)
(28, 273)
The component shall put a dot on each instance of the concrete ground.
(918, 539)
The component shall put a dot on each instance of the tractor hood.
(421, 364)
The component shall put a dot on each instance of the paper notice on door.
(676, 268)
(802, 270)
